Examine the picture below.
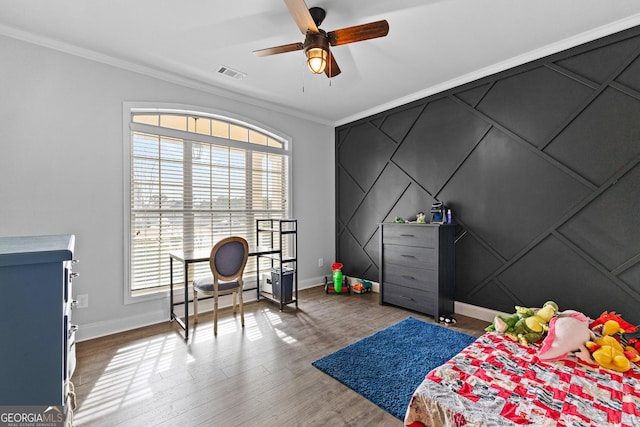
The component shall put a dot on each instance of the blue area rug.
(388, 366)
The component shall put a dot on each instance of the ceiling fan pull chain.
(303, 73)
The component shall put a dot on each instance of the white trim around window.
(189, 183)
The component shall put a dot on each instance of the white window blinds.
(194, 181)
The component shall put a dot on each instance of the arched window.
(196, 178)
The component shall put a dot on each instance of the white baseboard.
(113, 326)
(476, 312)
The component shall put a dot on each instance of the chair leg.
(241, 307)
(215, 314)
(234, 301)
(195, 306)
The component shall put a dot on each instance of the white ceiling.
(432, 44)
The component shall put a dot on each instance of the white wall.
(61, 170)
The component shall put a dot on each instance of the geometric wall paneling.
(632, 277)
(631, 76)
(357, 262)
(598, 64)
(350, 195)
(521, 194)
(377, 122)
(405, 207)
(365, 145)
(601, 140)
(541, 166)
(372, 249)
(534, 103)
(554, 271)
(495, 295)
(390, 185)
(397, 125)
(438, 142)
(608, 229)
(480, 263)
(341, 135)
(474, 95)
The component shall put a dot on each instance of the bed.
(498, 382)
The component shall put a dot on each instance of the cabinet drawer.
(412, 299)
(424, 236)
(411, 277)
(410, 256)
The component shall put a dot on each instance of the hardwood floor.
(261, 376)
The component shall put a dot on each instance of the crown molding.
(191, 83)
(210, 88)
(550, 49)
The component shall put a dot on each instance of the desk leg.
(257, 278)
(186, 301)
(171, 289)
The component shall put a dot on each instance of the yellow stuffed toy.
(527, 325)
(608, 352)
(532, 328)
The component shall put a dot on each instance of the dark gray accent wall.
(541, 166)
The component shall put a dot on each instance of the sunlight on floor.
(126, 380)
(228, 326)
(273, 318)
(129, 376)
(284, 337)
(276, 319)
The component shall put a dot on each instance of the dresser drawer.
(411, 277)
(410, 256)
(424, 236)
(417, 267)
(412, 299)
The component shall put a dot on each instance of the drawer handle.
(72, 330)
(407, 298)
(407, 235)
(408, 277)
(408, 256)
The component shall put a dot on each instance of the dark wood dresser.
(417, 267)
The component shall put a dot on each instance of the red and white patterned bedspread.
(498, 382)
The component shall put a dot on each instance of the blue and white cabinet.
(38, 353)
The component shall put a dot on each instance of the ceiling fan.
(317, 41)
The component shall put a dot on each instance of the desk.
(202, 255)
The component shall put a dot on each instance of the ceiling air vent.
(226, 71)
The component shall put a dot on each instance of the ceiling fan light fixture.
(317, 41)
(317, 59)
(316, 48)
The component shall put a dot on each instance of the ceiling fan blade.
(332, 69)
(279, 49)
(358, 33)
(300, 14)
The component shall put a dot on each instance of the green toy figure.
(526, 325)
(337, 276)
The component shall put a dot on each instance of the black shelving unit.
(284, 262)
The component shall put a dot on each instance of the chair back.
(228, 258)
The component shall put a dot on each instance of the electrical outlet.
(320, 262)
(83, 301)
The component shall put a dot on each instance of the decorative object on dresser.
(417, 267)
(38, 358)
